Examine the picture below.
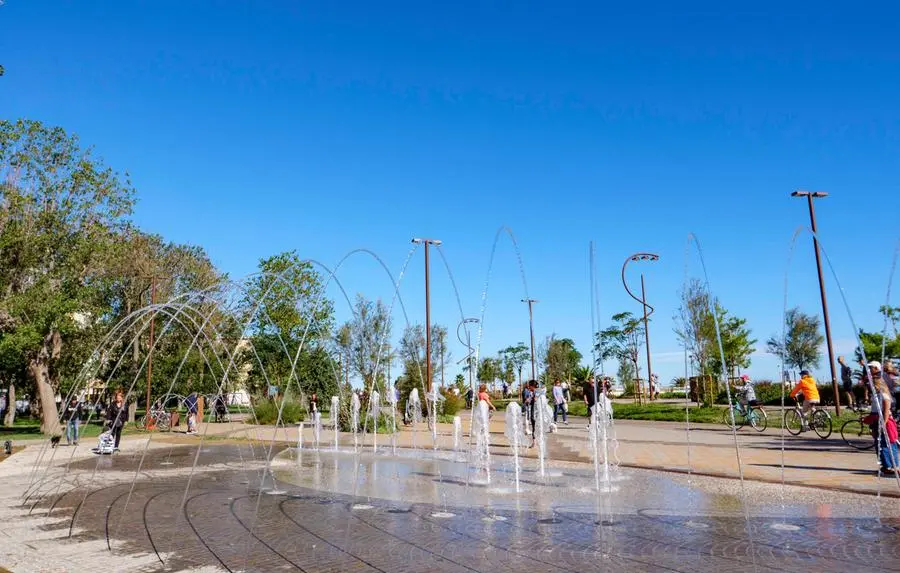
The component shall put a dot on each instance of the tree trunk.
(39, 370)
(10, 417)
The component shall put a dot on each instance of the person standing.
(890, 378)
(590, 396)
(116, 414)
(559, 402)
(887, 449)
(847, 382)
(483, 396)
(73, 416)
(528, 399)
(190, 403)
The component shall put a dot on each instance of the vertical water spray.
(414, 412)
(392, 399)
(335, 414)
(541, 427)
(374, 407)
(317, 428)
(354, 419)
(483, 440)
(457, 432)
(300, 436)
(434, 398)
(513, 433)
(604, 420)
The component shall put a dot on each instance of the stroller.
(105, 444)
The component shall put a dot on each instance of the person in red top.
(483, 395)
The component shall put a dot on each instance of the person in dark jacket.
(73, 415)
(116, 415)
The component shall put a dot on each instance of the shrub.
(452, 404)
(266, 412)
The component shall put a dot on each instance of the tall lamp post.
(643, 301)
(427, 242)
(531, 302)
(812, 219)
(468, 344)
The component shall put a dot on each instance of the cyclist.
(747, 395)
(810, 391)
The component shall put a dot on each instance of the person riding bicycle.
(747, 394)
(810, 391)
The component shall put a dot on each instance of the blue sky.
(251, 128)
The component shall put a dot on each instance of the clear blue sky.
(250, 128)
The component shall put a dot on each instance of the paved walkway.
(708, 449)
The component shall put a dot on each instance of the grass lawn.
(30, 429)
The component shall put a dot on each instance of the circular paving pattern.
(239, 520)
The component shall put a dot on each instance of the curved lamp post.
(468, 344)
(643, 300)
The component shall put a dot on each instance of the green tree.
(696, 329)
(695, 326)
(488, 371)
(460, 383)
(440, 354)
(60, 211)
(515, 357)
(370, 331)
(622, 342)
(560, 358)
(801, 346)
(289, 319)
(583, 373)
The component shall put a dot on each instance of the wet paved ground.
(230, 522)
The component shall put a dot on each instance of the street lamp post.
(468, 343)
(812, 219)
(531, 302)
(427, 242)
(643, 301)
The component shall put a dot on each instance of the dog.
(54, 441)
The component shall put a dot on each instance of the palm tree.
(582, 373)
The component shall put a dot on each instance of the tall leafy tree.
(621, 341)
(560, 358)
(440, 354)
(695, 326)
(696, 329)
(370, 331)
(61, 208)
(801, 347)
(516, 357)
(488, 371)
(289, 318)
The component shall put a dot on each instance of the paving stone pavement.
(135, 513)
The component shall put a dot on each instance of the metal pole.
(531, 302)
(427, 324)
(647, 338)
(150, 350)
(834, 385)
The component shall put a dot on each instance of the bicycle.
(753, 415)
(160, 419)
(856, 433)
(819, 421)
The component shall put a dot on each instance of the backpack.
(891, 427)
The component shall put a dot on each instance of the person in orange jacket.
(807, 387)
